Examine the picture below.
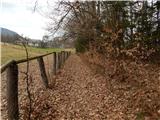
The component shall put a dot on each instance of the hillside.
(9, 36)
(8, 32)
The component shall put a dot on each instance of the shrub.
(81, 44)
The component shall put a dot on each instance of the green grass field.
(16, 52)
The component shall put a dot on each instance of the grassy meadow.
(16, 52)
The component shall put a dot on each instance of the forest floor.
(79, 92)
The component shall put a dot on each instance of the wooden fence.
(12, 78)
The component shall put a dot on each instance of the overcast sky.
(18, 15)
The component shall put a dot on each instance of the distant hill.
(9, 36)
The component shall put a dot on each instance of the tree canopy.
(111, 27)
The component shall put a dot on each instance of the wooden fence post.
(54, 63)
(64, 56)
(61, 56)
(43, 71)
(59, 60)
(12, 91)
(67, 55)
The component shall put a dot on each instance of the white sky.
(18, 15)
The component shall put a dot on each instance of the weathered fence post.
(67, 55)
(54, 63)
(64, 56)
(61, 56)
(59, 60)
(43, 71)
(12, 92)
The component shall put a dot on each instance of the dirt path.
(82, 93)
(79, 94)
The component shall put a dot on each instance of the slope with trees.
(112, 28)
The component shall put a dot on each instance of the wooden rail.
(32, 58)
(12, 78)
(6, 65)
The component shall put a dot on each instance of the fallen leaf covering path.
(82, 92)
(78, 93)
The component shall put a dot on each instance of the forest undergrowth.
(136, 82)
